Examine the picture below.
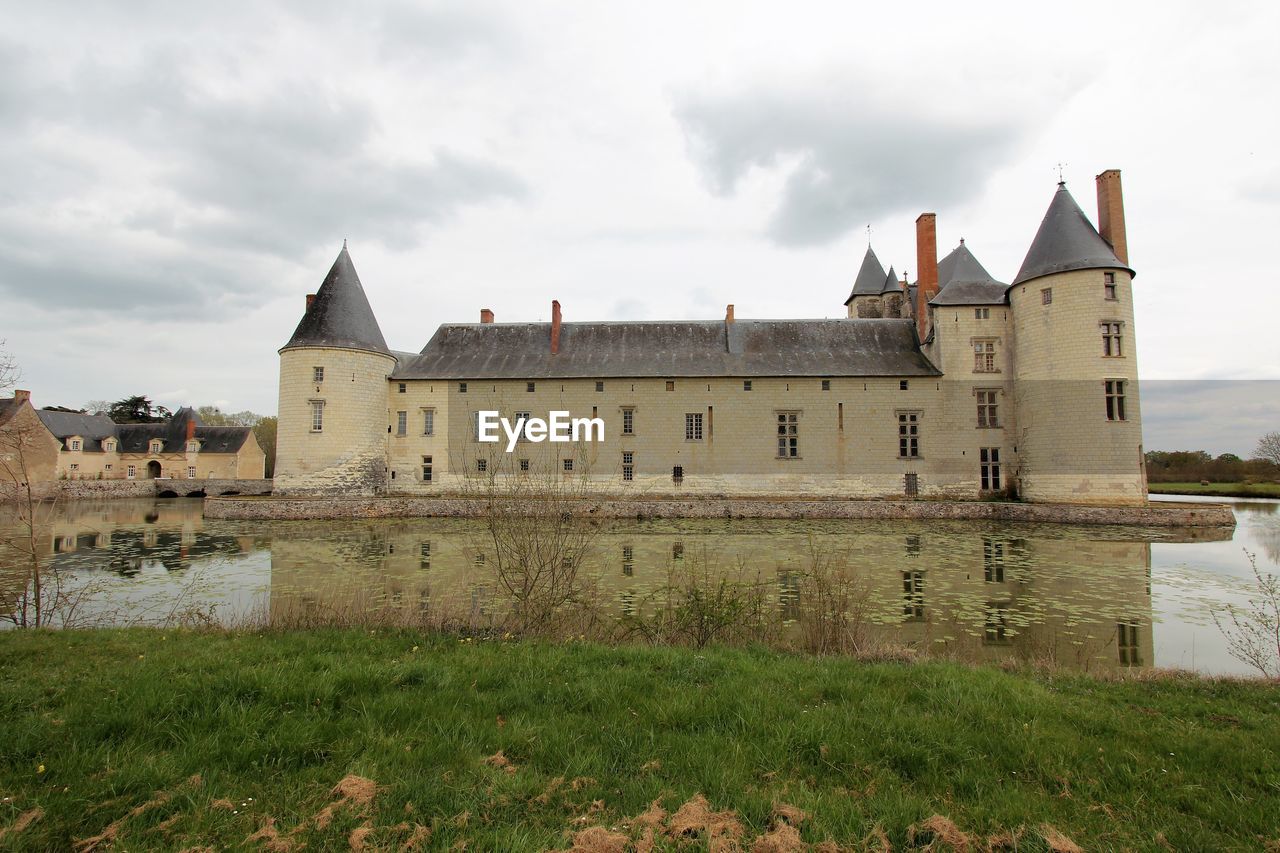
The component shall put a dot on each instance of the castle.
(956, 386)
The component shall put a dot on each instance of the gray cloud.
(1218, 416)
(849, 158)
(218, 178)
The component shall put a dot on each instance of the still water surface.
(1088, 597)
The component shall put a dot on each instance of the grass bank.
(164, 740)
(1222, 490)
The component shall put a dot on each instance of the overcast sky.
(178, 176)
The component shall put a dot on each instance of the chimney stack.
(191, 428)
(311, 297)
(486, 316)
(555, 326)
(728, 313)
(926, 269)
(1111, 214)
(19, 395)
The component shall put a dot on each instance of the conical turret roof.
(870, 278)
(1066, 241)
(965, 281)
(891, 283)
(340, 315)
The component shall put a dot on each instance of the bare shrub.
(1253, 632)
(837, 615)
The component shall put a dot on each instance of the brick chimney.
(191, 428)
(728, 313)
(19, 395)
(1111, 214)
(486, 316)
(555, 326)
(926, 269)
(311, 297)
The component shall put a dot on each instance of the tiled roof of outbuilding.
(879, 347)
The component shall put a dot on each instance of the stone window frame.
(403, 387)
(191, 472)
(984, 354)
(599, 385)
(628, 466)
(131, 473)
(428, 470)
(787, 424)
(402, 423)
(1112, 338)
(826, 385)
(523, 465)
(982, 313)
(155, 446)
(567, 464)
(693, 422)
(746, 385)
(428, 420)
(482, 466)
(1110, 292)
(193, 446)
(911, 420)
(1046, 296)
(75, 444)
(75, 466)
(317, 415)
(989, 473)
(628, 420)
(1114, 392)
(317, 374)
(109, 445)
(988, 411)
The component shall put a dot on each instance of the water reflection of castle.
(983, 594)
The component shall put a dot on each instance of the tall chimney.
(191, 428)
(486, 316)
(1111, 214)
(555, 326)
(728, 313)
(311, 297)
(20, 395)
(926, 269)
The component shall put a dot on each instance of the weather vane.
(868, 233)
(1061, 166)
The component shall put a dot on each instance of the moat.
(1092, 598)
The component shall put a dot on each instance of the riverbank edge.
(131, 489)
(1263, 491)
(277, 508)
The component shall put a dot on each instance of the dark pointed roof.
(1066, 241)
(340, 315)
(965, 281)
(870, 278)
(891, 283)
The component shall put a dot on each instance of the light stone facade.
(1050, 440)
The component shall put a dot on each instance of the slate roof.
(340, 315)
(1066, 241)
(136, 438)
(8, 408)
(867, 347)
(870, 280)
(964, 281)
(891, 283)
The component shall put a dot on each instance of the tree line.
(1193, 466)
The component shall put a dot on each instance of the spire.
(891, 283)
(965, 281)
(870, 278)
(1066, 241)
(340, 315)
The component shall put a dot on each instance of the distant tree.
(212, 416)
(137, 410)
(1269, 448)
(9, 373)
(265, 431)
(96, 407)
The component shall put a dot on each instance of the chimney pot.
(927, 269)
(728, 313)
(19, 394)
(555, 326)
(311, 297)
(486, 316)
(1111, 214)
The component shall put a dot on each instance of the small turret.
(864, 299)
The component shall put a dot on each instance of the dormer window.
(193, 446)
(75, 444)
(109, 445)
(157, 445)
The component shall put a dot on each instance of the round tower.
(1079, 427)
(332, 434)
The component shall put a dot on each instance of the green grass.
(1225, 490)
(116, 716)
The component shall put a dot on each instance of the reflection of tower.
(1075, 365)
(333, 393)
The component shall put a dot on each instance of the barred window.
(1046, 296)
(568, 465)
(524, 465)
(693, 426)
(788, 435)
(984, 356)
(482, 465)
(1114, 392)
(988, 409)
(908, 434)
(628, 465)
(1111, 339)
